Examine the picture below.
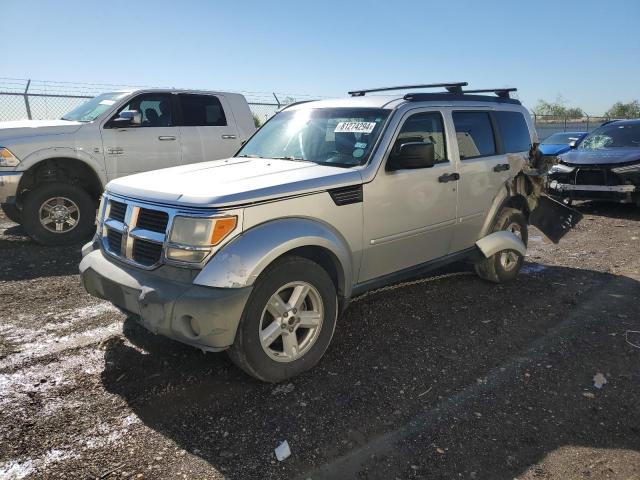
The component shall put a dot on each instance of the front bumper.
(9, 185)
(620, 193)
(166, 300)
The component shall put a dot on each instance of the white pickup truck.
(52, 172)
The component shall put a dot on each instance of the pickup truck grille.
(135, 233)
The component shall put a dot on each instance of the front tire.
(12, 212)
(504, 266)
(58, 214)
(288, 321)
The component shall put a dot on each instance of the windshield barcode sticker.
(355, 127)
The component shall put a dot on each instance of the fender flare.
(499, 241)
(240, 262)
(66, 152)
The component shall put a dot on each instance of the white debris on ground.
(599, 380)
(283, 451)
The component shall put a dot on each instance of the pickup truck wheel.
(288, 321)
(12, 212)
(58, 214)
(504, 266)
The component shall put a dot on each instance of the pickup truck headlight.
(193, 238)
(8, 159)
(561, 168)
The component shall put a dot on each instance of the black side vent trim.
(346, 195)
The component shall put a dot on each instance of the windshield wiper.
(293, 159)
(249, 156)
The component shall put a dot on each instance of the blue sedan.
(560, 142)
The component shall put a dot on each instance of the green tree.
(557, 108)
(624, 110)
(256, 120)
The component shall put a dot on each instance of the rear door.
(485, 138)
(207, 128)
(153, 144)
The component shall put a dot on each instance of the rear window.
(474, 133)
(513, 132)
(202, 111)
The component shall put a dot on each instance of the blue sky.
(586, 51)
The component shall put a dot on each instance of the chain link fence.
(45, 100)
(549, 124)
(22, 99)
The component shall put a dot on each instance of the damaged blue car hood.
(603, 156)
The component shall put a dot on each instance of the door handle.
(501, 167)
(449, 177)
(229, 137)
(166, 137)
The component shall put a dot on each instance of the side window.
(202, 111)
(513, 132)
(474, 133)
(155, 109)
(425, 127)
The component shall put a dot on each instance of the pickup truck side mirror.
(573, 144)
(128, 118)
(412, 155)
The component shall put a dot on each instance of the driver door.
(153, 144)
(409, 215)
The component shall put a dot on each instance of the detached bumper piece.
(204, 317)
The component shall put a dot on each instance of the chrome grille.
(146, 253)
(117, 210)
(135, 233)
(153, 220)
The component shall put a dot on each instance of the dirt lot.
(452, 378)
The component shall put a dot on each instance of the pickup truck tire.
(58, 214)
(288, 321)
(504, 266)
(12, 212)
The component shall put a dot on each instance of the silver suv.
(259, 253)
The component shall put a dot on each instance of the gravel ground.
(451, 378)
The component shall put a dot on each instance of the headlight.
(561, 168)
(635, 168)
(8, 159)
(192, 238)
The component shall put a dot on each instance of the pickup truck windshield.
(92, 109)
(612, 136)
(330, 136)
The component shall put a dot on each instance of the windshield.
(612, 136)
(92, 109)
(561, 138)
(332, 136)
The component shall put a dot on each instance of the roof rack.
(452, 87)
(500, 92)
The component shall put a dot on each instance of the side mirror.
(412, 155)
(573, 144)
(128, 118)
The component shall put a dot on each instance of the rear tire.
(504, 266)
(12, 212)
(58, 214)
(283, 333)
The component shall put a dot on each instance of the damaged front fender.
(527, 180)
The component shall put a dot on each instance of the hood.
(31, 128)
(603, 156)
(233, 181)
(553, 149)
